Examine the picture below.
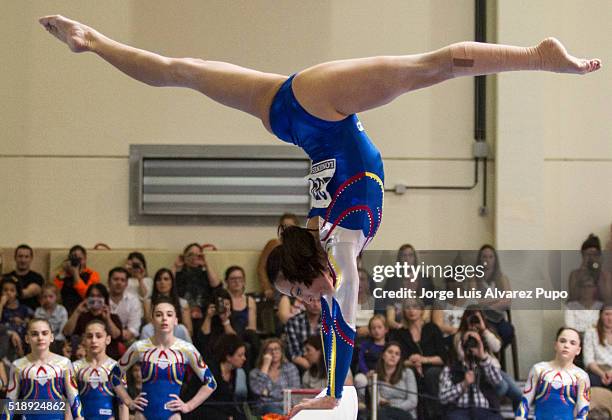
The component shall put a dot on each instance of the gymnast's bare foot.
(324, 403)
(77, 36)
(555, 58)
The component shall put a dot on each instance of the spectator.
(365, 299)
(96, 306)
(299, 328)
(217, 322)
(244, 310)
(195, 279)
(582, 314)
(30, 281)
(369, 352)
(494, 279)
(55, 313)
(423, 349)
(597, 349)
(315, 377)
(15, 315)
(272, 374)
(466, 386)
(406, 254)
(139, 283)
(164, 285)
(127, 307)
(287, 219)
(591, 265)
(447, 314)
(74, 278)
(473, 320)
(232, 390)
(397, 388)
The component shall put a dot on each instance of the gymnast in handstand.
(315, 109)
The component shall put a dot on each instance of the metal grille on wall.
(172, 184)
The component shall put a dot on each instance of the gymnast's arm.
(129, 358)
(522, 411)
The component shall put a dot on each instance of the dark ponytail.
(302, 259)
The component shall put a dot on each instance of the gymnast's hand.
(324, 403)
(139, 403)
(77, 36)
(178, 405)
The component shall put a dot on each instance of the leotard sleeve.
(201, 370)
(528, 393)
(72, 392)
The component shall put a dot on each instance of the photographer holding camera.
(591, 266)
(75, 277)
(467, 386)
(217, 321)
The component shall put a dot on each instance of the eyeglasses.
(274, 349)
(192, 255)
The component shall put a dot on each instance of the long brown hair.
(302, 258)
(601, 332)
(396, 376)
(317, 370)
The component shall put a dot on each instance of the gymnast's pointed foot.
(554, 57)
(77, 36)
(323, 403)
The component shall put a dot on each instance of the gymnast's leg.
(237, 87)
(336, 89)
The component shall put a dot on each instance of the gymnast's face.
(39, 335)
(567, 345)
(96, 339)
(321, 286)
(164, 317)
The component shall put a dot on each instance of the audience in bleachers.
(140, 284)
(315, 377)
(397, 388)
(406, 254)
(96, 305)
(15, 315)
(232, 387)
(272, 373)
(29, 281)
(217, 322)
(423, 349)
(583, 313)
(53, 312)
(494, 278)
(127, 307)
(473, 320)
(446, 314)
(597, 350)
(591, 265)
(74, 278)
(195, 279)
(467, 386)
(164, 285)
(299, 328)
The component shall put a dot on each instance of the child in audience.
(53, 312)
(369, 352)
(15, 315)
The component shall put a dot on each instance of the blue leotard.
(346, 189)
(95, 389)
(163, 371)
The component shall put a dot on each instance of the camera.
(220, 306)
(74, 260)
(469, 343)
(473, 320)
(593, 266)
(95, 303)
(136, 266)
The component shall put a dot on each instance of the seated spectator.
(74, 278)
(134, 383)
(127, 307)
(582, 314)
(365, 299)
(15, 315)
(473, 320)
(272, 374)
(29, 281)
(11, 346)
(406, 254)
(164, 285)
(423, 349)
(195, 279)
(217, 322)
(369, 352)
(55, 313)
(96, 306)
(397, 388)
(447, 314)
(591, 265)
(139, 283)
(244, 310)
(494, 279)
(299, 328)
(232, 389)
(466, 387)
(315, 377)
(597, 350)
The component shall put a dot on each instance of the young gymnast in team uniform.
(558, 390)
(315, 110)
(164, 362)
(93, 375)
(43, 377)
